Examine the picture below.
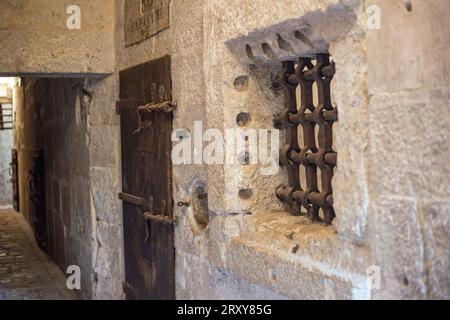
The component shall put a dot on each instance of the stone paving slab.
(26, 272)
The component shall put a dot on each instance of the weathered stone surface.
(304, 35)
(6, 145)
(216, 243)
(436, 230)
(103, 190)
(103, 103)
(422, 59)
(295, 278)
(188, 87)
(108, 261)
(398, 251)
(299, 237)
(103, 145)
(198, 280)
(50, 46)
(186, 33)
(409, 146)
(351, 136)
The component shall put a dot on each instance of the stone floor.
(26, 272)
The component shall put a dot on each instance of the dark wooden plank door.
(36, 185)
(15, 178)
(147, 182)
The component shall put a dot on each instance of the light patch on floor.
(26, 272)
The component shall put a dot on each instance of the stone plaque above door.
(145, 18)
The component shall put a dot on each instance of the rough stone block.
(188, 86)
(299, 237)
(197, 279)
(108, 262)
(409, 148)
(193, 276)
(6, 145)
(422, 59)
(186, 23)
(294, 277)
(102, 107)
(103, 192)
(351, 137)
(103, 145)
(50, 46)
(397, 244)
(436, 230)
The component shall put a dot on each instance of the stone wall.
(408, 171)
(26, 140)
(6, 144)
(35, 37)
(251, 248)
(105, 178)
(390, 186)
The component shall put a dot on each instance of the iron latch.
(165, 106)
(159, 218)
(149, 215)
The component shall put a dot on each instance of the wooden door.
(147, 181)
(36, 185)
(15, 178)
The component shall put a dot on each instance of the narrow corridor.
(26, 273)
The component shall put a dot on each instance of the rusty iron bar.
(165, 106)
(314, 154)
(159, 218)
(131, 199)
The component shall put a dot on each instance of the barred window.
(309, 137)
(6, 117)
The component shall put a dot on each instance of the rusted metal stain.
(147, 180)
(314, 154)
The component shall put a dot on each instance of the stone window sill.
(290, 252)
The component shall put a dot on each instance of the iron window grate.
(309, 137)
